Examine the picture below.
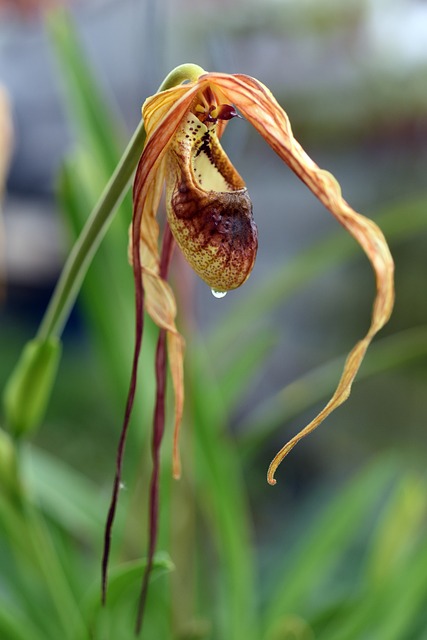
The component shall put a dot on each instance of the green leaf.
(390, 603)
(14, 626)
(125, 577)
(117, 617)
(223, 501)
(65, 495)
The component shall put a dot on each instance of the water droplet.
(218, 294)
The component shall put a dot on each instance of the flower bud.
(28, 390)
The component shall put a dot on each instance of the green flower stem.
(91, 236)
(89, 240)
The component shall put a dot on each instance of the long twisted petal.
(262, 110)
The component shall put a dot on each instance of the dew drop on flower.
(218, 294)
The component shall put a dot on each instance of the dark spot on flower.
(205, 146)
(216, 232)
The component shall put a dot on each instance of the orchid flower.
(209, 217)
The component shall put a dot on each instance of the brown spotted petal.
(259, 106)
(208, 207)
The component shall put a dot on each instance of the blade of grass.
(334, 530)
(223, 501)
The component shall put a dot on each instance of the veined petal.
(156, 107)
(149, 228)
(259, 106)
(162, 116)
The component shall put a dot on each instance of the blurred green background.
(337, 549)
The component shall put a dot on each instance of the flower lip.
(216, 233)
(209, 208)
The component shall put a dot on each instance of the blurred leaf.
(406, 587)
(87, 107)
(117, 618)
(37, 559)
(390, 602)
(65, 495)
(399, 530)
(390, 610)
(124, 577)
(13, 626)
(64, 602)
(235, 374)
(128, 574)
(327, 540)
(290, 627)
(9, 476)
(223, 500)
(12, 528)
